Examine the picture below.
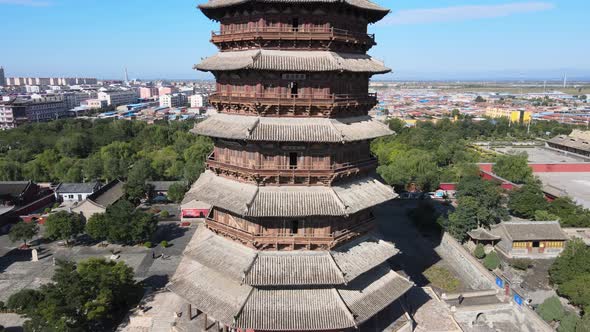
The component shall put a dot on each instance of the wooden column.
(206, 322)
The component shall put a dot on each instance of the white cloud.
(29, 3)
(464, 13)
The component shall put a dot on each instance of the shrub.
(521, 264)
(442, 278)
(47, 210)
(568, 323)
(147, 244)
(24, 300)
(2, 305)
(55, 205)
(479, 251)
(164, 244)
(164, 214)
(551, 309)
(492, 261)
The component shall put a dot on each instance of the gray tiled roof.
(482, 235)
(289, 201)
(295, 61)
(377, 11)
(77, 188)
(323, 130)
(292, 308)
(265, 268)
(529, 231)
(108, 194)
(13, 188)
(578, 143)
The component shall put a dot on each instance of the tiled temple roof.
(296, 61)
(294, 268)
(250, 200)
(378, 11)
(578, 143)
(313, 130)
(293, 307)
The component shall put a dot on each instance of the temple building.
(289, 242)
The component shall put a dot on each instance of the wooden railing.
(294, 99)
(291, 33)
(250, 167)
(290, 238)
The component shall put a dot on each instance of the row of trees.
(76, 150)
(439, 152)
(122, 223)
(91, 295)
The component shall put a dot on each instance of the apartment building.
(197, 101)
(118, 97)
(175, 100)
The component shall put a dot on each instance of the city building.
(76, 192)
(118, 97)
(290, 242)
(175, 100)
(58, 81)
(165, 90)
(2, 77)
(16, 111)
(148, 92)
(515, 116)
(197, 101)
(530, 239)
(94, 103)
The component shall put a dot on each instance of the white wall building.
(118, 97)
(197, 101)
(175, 100)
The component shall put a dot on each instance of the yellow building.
(515, 116)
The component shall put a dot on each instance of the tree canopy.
(527, 201)
(92, 295)
(514, 168)
(122, 224)
(76, 150)
(63, 226)
(23, 231)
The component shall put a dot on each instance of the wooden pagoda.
(289, 244)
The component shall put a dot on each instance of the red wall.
(565, 168)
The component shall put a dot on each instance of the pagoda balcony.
(327, 173)
(292, 100)
(290, 240)
(292, 34)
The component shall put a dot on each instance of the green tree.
(584, 324)
(90, 296)
(513, 168)
(551, 310)
(568, 323)
(525, 201)
(492, 261)
(570, 214)
(136, 187)
(576, 290)
(63, 226)
(177, 191)
(543, 215)
(23, 231)
(396, 124)
(24, 300)
(479, 251)
(98, 226)
(480, 99)
(573, 261)
(464, 218)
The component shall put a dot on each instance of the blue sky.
(429, 39)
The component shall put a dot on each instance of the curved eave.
(214, 9)
(292, 61)
(309, 130)
(249, 200)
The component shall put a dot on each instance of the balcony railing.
(291, 33)
(254, 167)
(290, 238)
(299, 99)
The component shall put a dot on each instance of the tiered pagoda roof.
(313, 130)
(294, 291)
(278, 60)
(377, 12)
(250, 200)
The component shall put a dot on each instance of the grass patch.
(442, 278)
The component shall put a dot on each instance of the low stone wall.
(479, 277)
(466, 265)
